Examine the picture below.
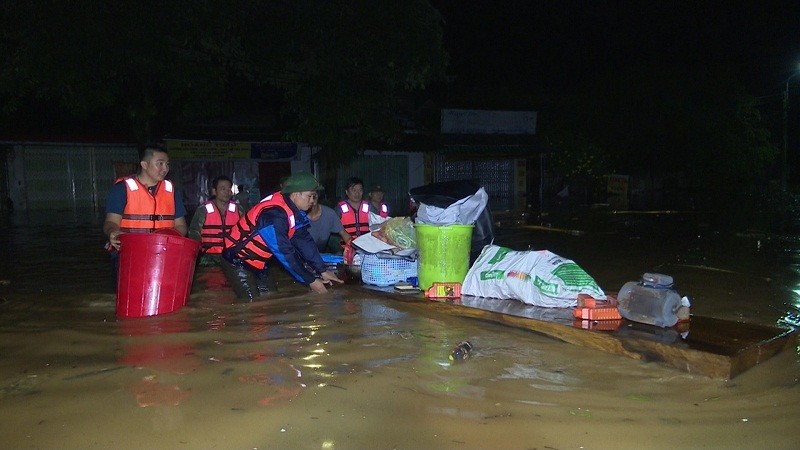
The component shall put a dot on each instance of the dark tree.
(339, 68)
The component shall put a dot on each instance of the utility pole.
(785, 155)
(784, 166)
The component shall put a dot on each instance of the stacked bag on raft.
(539, 278)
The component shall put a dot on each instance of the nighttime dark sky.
(557, 43)
(556, 47)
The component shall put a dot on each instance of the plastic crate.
(444, 290)
(590, 308)
(610, 313)
(386, 270)
(597, 325)
(332, 261)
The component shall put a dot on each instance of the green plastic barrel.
(443, 253)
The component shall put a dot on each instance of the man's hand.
(113, 238)
(318, 286)
(328, 277)
(180, 225)
(111, 229)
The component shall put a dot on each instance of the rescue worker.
(276, 226)
(243, 197)
(143, 203)
(353, 211)
(213, 220)
(376, 204)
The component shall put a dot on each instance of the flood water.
(354, 369)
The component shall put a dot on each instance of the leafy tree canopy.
(698, 123)
(336, 65)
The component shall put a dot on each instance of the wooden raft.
(706, 346)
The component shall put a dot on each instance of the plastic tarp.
(465, 211)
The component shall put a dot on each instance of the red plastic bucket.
(155, 273)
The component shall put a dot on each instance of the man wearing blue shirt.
(143, 203)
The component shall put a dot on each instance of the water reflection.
(54, 251)
(152, 344)
(543, 379)
(357, 371)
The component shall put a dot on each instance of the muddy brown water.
(353, 370)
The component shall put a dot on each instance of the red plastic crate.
(589, 308)
(607, 313)
(444, 290)
(597, 325)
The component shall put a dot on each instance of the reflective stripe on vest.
(245, 239)
(214, 230)
(145, 212)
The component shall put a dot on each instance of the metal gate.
(64, 176)
(495, 175)
(390, 171)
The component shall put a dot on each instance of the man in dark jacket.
(277, 226)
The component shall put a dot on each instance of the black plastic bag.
(444, 194)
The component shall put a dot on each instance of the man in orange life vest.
(277, 226)
(143, 203)
(213, 220)
(353, 211)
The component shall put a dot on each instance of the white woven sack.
(539, 278)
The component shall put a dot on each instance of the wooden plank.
(705, 346)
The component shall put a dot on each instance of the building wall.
(5, 157)
(63, 175)
(71, 176)
(499, 177)
(505, 180)
(396, 172)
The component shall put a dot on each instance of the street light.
(785, 168)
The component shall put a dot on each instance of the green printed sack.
(539, 278)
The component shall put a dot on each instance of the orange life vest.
(145, 213)
(244, 236)
(214, 230)
(383, 211)
(355, 223)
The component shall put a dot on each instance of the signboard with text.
(471, 121)
(211, 150)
